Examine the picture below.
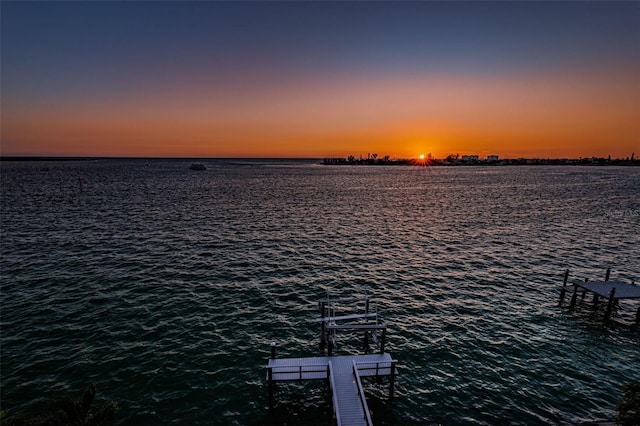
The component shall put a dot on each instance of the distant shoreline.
(71, 158)
(450, 162)
(25, 158)
(350, 161)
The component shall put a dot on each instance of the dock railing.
(391, 365)
(298, 372)
(386, 365)
(363, 401)
(334, 395)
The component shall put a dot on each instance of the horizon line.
(36, 157)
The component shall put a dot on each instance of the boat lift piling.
(329, 323)
(564, 286)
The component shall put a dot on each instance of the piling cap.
(272, 344)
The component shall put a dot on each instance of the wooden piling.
(607, 314)
(272, 383)
(574, 298)
(323, 331)
(564, 286)
(382, 340)
(271, 389)
(366, 321)
(606, 276)
(392, 380)
(572, 305)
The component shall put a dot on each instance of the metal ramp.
(349, 404)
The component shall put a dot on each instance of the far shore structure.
(476, 160)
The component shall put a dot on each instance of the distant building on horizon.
(470, 158)
(492, 158)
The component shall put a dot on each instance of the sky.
(320, 79)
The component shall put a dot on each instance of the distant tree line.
(474, 160)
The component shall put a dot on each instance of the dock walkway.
(343, 374)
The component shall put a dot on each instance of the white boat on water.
(197, 166)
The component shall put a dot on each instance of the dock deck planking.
(603, 288)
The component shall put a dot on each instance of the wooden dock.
(342, 375)
(611, 291)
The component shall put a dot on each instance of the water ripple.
(166, 286)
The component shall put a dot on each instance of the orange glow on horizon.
(549, 116)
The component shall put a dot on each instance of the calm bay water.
(165, 286)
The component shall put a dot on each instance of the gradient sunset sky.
(320, 79)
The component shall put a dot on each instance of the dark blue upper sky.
(74, 38)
